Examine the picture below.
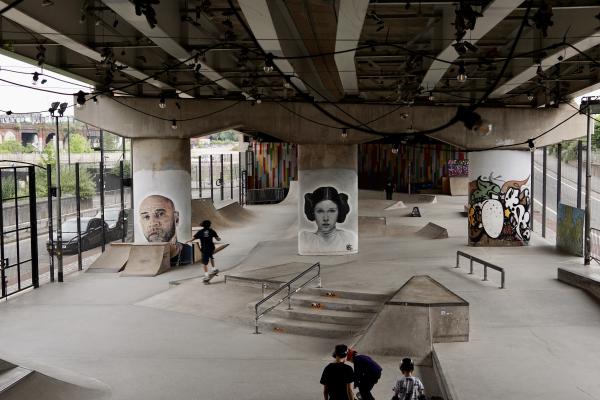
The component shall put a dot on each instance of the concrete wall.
(328, 200)
(162, 195)
(499, 198)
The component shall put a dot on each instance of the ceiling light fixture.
(531, 145)
(47, 3)
(162, 103)
(80, 99)
(174, 124)
(529, 96)
(36, 78)
(395, 148)
(431, 97)
(269, 64)
(462, 73)
(344, 133)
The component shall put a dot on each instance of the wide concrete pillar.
(328, 199)
(499, 198)
(161, 191)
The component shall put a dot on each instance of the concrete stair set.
(11, 375)
(321, 312)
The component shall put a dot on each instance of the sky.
(24, 99)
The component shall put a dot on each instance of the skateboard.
(210, 276)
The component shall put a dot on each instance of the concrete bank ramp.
(293, 194)
(418, 198)
(236, 214)
(148, 259)
(433, 231)
(19, 383)
(112, 260)
(420, 313)
(380, 226)
(230, 216)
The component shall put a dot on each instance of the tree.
(11, 147)
(79, 144)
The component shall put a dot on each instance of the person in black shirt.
(389, 189)
(206, 235)
(337, 377)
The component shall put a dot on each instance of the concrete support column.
(328, 199)
(161, 190)
(499, 198)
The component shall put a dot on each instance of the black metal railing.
(485, 264)
(290, 293)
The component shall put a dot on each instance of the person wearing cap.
(337, 376)
(408, 387)
(366, 373)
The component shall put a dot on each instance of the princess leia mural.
(326, 208)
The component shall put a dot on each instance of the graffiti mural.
(458, 168)
(499, 212)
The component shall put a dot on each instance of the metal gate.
(18, 221)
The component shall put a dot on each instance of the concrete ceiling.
(391, 50)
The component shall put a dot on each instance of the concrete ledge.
(442, 381)
(586, 278)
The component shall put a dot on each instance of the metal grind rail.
(289, 295)
(485, 264)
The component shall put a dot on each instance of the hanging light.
(269, 65)
(80, 99)
(431, 97)
(531, 145)
(395, 148)
(174, 124)
(462, 73)
(95, 100)
(162, 103)
(344, 133)
(36, 77)
(286, 83)
(529, 96)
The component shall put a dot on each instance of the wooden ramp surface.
(112, 260)
(147, 260)
(198, 252)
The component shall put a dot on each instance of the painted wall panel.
(570, 224)
(499, 198)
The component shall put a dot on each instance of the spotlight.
(529, 96)
(53, 108)
(36, 78)
(531, 145)
(462, 73)
(162, 103)
(395, 148)
(62, 108)
(80, 99)
(174, 124)
(344, 133)
(269, 65)
(473, 121)
(431, 97)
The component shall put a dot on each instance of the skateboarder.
(337, 376)
(366, 373)
(206, 235)
(389, 189)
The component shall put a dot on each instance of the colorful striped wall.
(426, 164)
(275, 165)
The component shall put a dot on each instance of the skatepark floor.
(144, 338)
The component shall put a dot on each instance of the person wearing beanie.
(408, 387)
(337, 376)
(206, 235)
(366, 373)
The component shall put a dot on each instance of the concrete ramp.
(420, 313)
(433, 231)
(235, 214)
(371, 226)
(292, 196)
(198, 251)
(147, 260)
(112, 260)
(396, 206)
(204, 209)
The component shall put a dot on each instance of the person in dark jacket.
(366, 373)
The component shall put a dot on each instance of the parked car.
(116, 220)
(91, 235)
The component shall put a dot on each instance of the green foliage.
(224, 137)
(79, 144)
(47, 155)
(87, 188)
(30, 149)
(8, 188)
(111, 142)
(116, 169)
(11, 147)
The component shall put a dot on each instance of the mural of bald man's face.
(158, 218)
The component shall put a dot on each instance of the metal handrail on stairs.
(288, 297)
(485, 264)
